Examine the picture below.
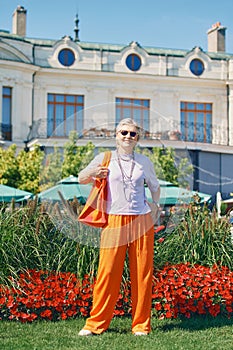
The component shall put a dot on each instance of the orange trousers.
(140, 245)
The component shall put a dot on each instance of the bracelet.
(156, 203)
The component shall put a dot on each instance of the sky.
(175, 24)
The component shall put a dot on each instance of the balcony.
(188, 132)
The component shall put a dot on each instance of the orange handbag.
(94, 211)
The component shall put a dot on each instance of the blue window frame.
(133, 62)
(66, 57)
(196, 121)
(6, 127)
(197, 67)
(65, 114)
(136, 109)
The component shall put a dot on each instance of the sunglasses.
(126, 132)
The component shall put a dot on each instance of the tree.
(168, 166)
(29, 169)
(51, 170)
(76, 157)
(9, 170)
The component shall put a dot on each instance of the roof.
(110, 47)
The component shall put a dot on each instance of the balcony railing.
(190, 132)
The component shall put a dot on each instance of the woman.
(130, 227)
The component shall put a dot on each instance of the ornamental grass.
(197, 237)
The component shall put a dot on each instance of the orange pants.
(111, 264)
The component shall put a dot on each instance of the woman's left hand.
(155, 211)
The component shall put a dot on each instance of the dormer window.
(66, 57)
(133, 62)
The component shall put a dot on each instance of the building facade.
(181, 99)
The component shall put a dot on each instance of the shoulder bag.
(94, 211)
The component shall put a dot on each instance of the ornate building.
(181, 98)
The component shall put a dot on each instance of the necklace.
(126, 157)
(127, 178)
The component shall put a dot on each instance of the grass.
(199, 333)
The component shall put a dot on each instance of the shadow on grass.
(195, 323)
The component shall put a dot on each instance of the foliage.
(51, 170)
(29, 169)
(223, 209)
(76, 157)
(30, 240)
(32, 172)
(9, 167)
(198, 237)
(168, 166)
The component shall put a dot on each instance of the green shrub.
(199, 238)
(30, 240)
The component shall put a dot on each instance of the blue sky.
(180, 24)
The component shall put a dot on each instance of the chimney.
(216, 38)
(19, 21)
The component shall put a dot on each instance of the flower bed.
(177, 290)
(183, 289)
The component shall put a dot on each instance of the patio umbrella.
(69, 188)
(8, 193)
(172, 195)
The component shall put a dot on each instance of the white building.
(181, 98)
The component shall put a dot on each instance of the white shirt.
(128, 197)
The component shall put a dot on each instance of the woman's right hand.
(100, 172)
(86, 176)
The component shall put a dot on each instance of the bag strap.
(107, 158)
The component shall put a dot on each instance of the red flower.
(46, 314)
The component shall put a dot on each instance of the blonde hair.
(130, 122)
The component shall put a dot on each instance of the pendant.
(128, 188)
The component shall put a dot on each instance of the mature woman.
(130, 227)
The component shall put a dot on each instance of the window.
(6, 127)
(133, 62)
(136, 109)
(66, 57)
(196, 122)
(65, 113)
(196, 67)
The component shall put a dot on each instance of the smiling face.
(127, 138)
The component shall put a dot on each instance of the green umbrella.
(8, 193)
(69, 188)
(172, 195)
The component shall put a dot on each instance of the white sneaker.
(139, 333)
(85, 333)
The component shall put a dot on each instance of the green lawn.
(199, 333)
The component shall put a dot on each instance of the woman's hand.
(87, 176)
(101, 172)
(155, 211)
